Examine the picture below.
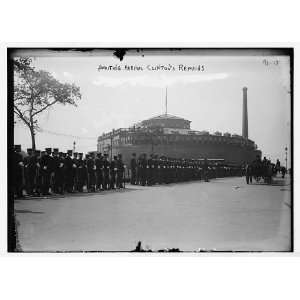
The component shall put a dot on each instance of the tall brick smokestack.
(245, 114)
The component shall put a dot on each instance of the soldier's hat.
(87, 155)
(80, 154)
(70, 151)
(48, 150)
(17, 148)
(75, 153)
(60, 153)
(55, 150)
(99, 154)
(29, 150)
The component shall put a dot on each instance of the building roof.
(166, 116)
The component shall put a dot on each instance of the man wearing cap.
(75, 172)
(68, 164)
(81, 172)
(46, 170)
(120, 172)
(133, 168)
(91, 168)
(30, 163)
(18, 171)
(106, 167)
(99, 170)
(56, 170)
(113, 172)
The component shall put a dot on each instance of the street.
(224, 214)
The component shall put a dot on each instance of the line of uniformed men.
(43, 171)
(159, 170)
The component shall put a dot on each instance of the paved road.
(224, 214)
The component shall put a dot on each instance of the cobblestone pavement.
(223, 215)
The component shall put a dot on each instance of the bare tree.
(36, 91)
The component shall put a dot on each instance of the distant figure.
(277, 166)
(205, 169)
(283, 171)
(133, 168)
(138, 247)
(248, 171)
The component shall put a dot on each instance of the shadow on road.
(23, 211)
(68, 195)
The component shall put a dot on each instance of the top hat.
(69, 152)
(29, 150)
(55, 150)
(48, 150)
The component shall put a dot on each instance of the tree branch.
(21, 116)
(45, 107)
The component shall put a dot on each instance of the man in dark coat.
(46, 170)
(133, 168)
(248, 171)
(106, 167)
(82, 172)
(29, 171)
(99, 171)
(68, 164)
(91, 168)
(58, 172)
(120, 172)
(75, 171)
(113, 172)
(18, 171)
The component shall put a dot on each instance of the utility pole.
(286, 155)
(111, 143)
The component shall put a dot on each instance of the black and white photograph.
(153, 150)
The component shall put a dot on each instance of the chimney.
(245, 114)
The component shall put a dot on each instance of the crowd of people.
(263, 169)
(46, 172)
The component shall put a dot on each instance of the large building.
(171, 136)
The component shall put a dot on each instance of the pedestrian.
(248, 173)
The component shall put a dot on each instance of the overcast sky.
(210, 98)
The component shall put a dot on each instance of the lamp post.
(286, 155)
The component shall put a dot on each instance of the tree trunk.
(32, 138)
